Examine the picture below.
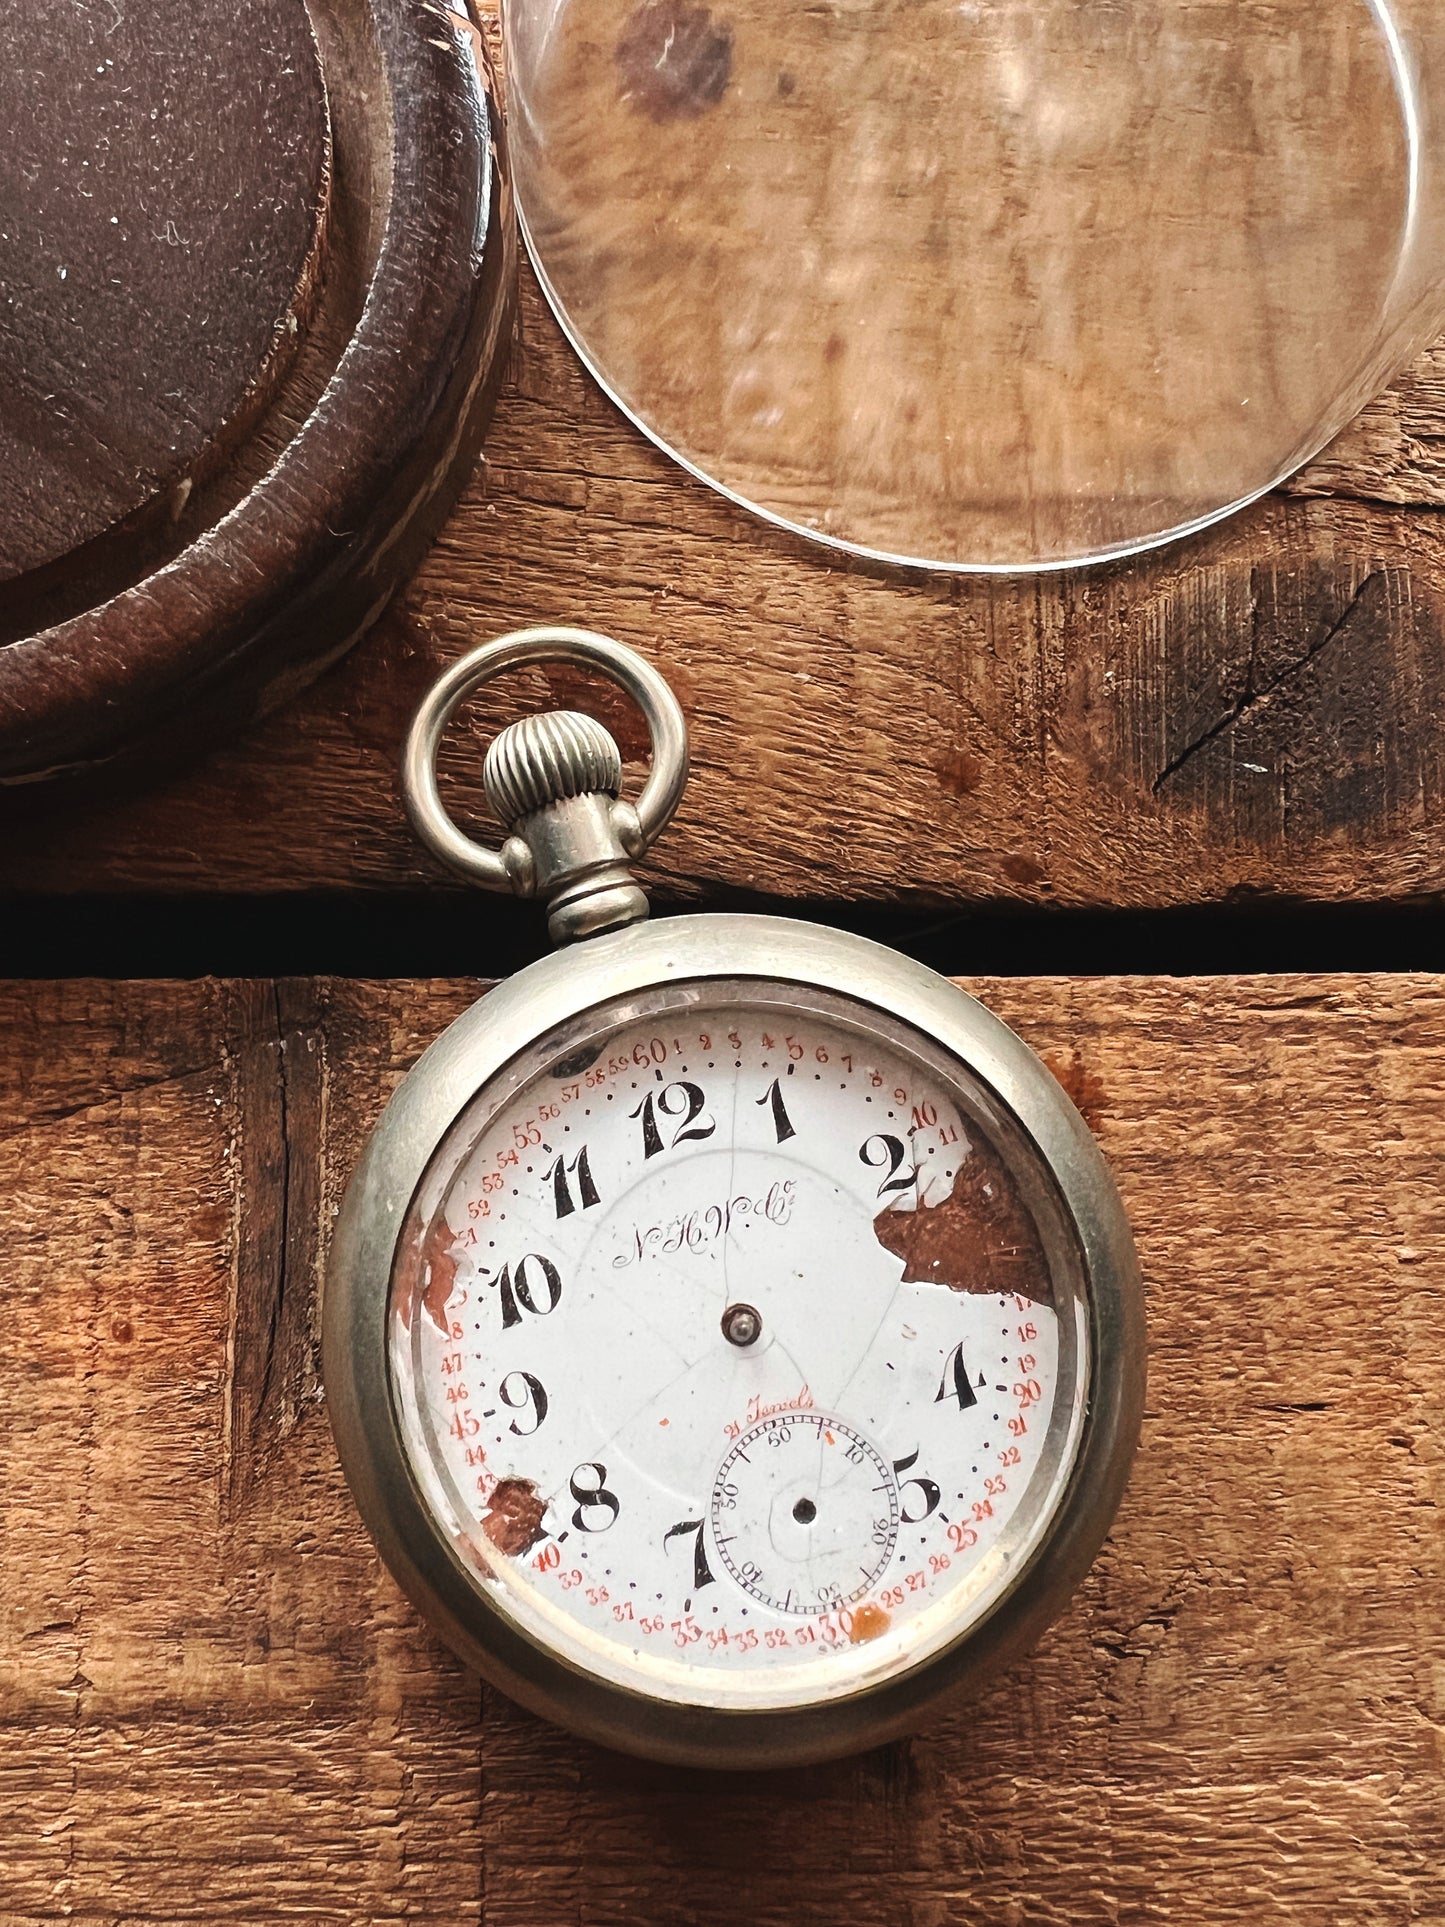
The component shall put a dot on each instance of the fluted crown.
(544, 759)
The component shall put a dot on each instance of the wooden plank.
(1250, 713)
(215, 1705)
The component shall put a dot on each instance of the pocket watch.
(732, 1334)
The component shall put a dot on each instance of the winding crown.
(547, 759)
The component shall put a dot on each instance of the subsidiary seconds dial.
(805, 1513)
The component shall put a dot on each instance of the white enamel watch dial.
(728, 1348)
(732, 1336)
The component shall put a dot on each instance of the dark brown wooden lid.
(162, 187)
(209, 526)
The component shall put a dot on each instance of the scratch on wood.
(280, 1070)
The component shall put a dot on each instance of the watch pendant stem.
(553, 781)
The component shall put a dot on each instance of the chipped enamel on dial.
(739, 1345)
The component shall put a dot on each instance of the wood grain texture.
(1254, 713)
(216, 1707)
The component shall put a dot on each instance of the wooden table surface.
(217, 1707)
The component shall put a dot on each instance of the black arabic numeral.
(681, 1101)
(702, 1574)
(651, 1142)
(517, 1291)
(593, 1498)
(562, 1191)
(693, 1098)
(533, 1394)
(782, 1123)
(890, 1152)
(931, 1493)
(954, 1383)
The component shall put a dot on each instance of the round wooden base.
(264, 375)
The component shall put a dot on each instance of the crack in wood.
(1251, 700)
(101, 1100)
(283, 1207)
